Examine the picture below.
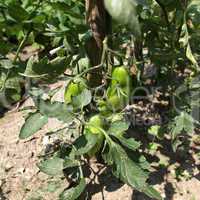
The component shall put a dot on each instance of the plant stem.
(4, 81)
(21, 46)
(164, 12)
(105, 47)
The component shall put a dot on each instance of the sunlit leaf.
(118, 127)
(57, 110)
(190, 55)
(32, 124)
(127, 170)
(83, 99)
(52, 166)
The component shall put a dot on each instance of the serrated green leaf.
(83, 99)
(52, 167)
(125, 169)
(85, 143)
(130, 143)
(118, 127)
(57, 110)
(74, 192)
(32, 124)
(17, 12)
(55, 166)
(45, 69)
(151, 192)
(183, 122)
(68, 162)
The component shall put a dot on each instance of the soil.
(20, 179)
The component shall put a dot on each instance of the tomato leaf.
(183, 122)
(118, 127)
(74, 192)
(52, 167)
(127, 170)
(17, 12)
(32, 124)
(57, 110)
(85, 143)
(83, 99)
(130, 143)
(45, 69)
(151, 192)
(55, 166)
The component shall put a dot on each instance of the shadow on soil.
(2, 197)
(183, 157)
(106, 181)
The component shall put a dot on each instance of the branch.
(21, 46)
(164, 11)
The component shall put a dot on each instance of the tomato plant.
(122, 45)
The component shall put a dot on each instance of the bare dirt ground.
(20, 178)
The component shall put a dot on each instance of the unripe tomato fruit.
(116, 102)
(102, 107)
(120, 76)
(72, 90)
(94, 124)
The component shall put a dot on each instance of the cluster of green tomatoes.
(117, 97)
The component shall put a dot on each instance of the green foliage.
(57, 110)
(52, 167)
(45, 24)
(182, 123)
(127, 170)
(75, 192)
(162, 34)
(45, 69)
(33, 123)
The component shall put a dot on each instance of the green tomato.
(94, 124)
(120, 76)
(103, 108)
(116, 102)
(73, 89)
